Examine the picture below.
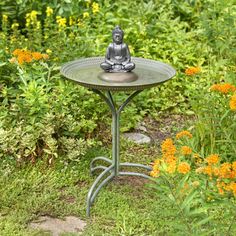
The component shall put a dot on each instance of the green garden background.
(50, 128)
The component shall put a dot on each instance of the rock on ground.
(137, 138)
(56, 226)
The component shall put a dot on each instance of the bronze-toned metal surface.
(118, 77)
(86, 73)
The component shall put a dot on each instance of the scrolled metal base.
(96, 187)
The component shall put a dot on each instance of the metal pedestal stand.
(87, 72)
(114, 165)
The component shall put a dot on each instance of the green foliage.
(214, 128)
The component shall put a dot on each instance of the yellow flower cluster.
(85, 15)
(49, 11)
(95, 7)
(184, 133)
(14, 26)
(22, 56)
(4, 18)
(223, 88)
(61, 21)
(31, 19)
(192, 70)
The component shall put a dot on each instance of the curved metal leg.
(136, 165)
(94, 191)
(104, 159)
(114, 168)
(135, 174)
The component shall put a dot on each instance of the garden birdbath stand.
(87, 72)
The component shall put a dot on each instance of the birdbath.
(103, 78)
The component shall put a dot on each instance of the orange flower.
(208, 170)
(185, 150)
(171, 167)
(192, 70)
(223, 88)
(225, 170)
(183, 168)
(45, 56)
(23, 56)
(232, 187)
(213, 159)
(168, 147)
(184, 133)
(232, 103)
(37, 56)
(154, 173)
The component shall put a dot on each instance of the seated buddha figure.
(117, 56)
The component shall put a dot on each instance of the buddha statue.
(117, 56)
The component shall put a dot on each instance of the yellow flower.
(15, 26)
(185, 150)
(4, 18)
(48, 51)
(95, 7)
(192, 70)
(49, 11)
(79, 23)
(183, 168)
(223, 88)
(71, 21)
(85, 14)
(61, 22)
(183, 134)
(232, 103)
(212, 159)
(31, 18)
(33, 15)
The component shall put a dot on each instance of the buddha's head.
(117, 35)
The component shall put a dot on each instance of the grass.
(127, 206)
(123, 207)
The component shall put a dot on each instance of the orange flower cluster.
(212, 159)
(185, 150)
(25, 56)
(184, 133)
(169, 162)
(224, 173)
(168, 150)
(183, 168)
(223, 88)
(230, 187)
(192, 70)
(232, 103)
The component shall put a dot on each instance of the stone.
(137, 138)
(71, 224)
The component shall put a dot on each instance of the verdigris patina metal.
(117, 56)
(146, 74)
